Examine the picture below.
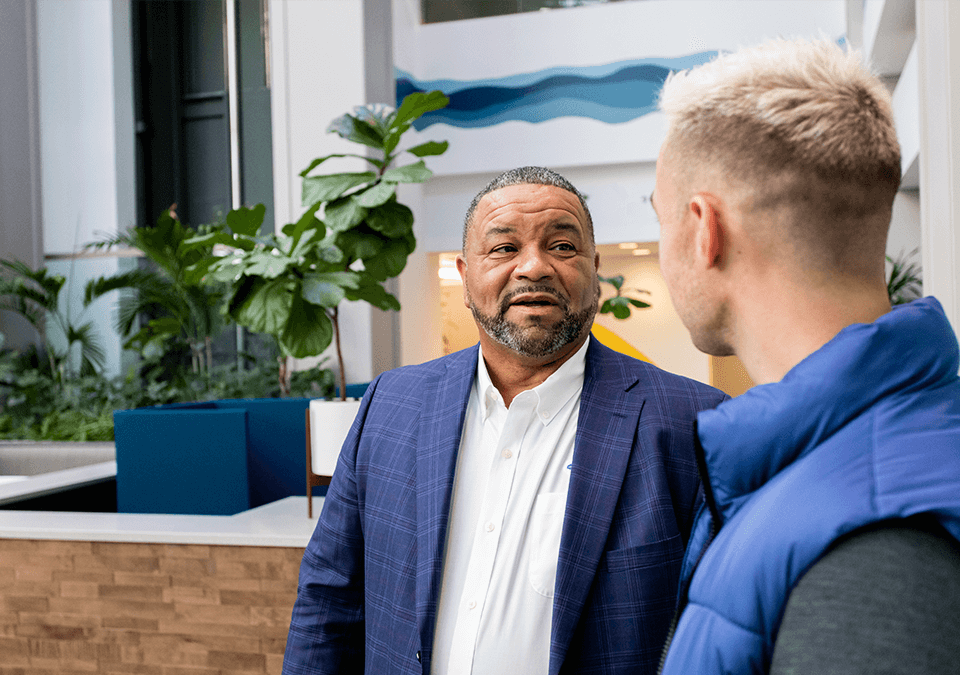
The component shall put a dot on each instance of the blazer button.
(418, 658)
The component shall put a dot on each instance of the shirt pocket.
(546, 526)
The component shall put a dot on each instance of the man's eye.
(564, 246)
(505, 248)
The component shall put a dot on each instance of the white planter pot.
(330, 422)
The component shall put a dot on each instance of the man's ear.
(709, 241)
(462, 269)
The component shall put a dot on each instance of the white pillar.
(939, 62)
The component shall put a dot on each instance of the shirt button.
(507, 453)
(544, 414)
(491, 527)
(472, 604)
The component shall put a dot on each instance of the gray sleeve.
(885, 600)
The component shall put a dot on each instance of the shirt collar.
(549, 396)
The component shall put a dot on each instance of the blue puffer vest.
(864, 429)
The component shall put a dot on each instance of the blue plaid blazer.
(370, 576)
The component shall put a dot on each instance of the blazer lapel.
(442, 417)
(605, 432)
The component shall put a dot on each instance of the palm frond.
(92, 355)
(904, 282)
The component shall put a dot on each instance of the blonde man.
(829, 540)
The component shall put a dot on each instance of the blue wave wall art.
(613, 93)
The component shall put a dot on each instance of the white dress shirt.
(510, 491)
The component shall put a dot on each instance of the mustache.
(533, 288)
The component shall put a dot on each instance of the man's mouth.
(534, 301)
(530, 297)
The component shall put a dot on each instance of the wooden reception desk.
(123, 592)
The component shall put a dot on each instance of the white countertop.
(17, 488)
(280, 523)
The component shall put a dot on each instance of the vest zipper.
(715, 523)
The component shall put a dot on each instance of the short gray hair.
(526, 175)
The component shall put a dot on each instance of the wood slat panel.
(155, 609)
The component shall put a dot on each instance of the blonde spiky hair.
(815, 104)
(803, 123)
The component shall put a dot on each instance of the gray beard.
(537, 340)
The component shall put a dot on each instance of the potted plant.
(619, 304)
(352, 238)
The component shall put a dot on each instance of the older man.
(829, 544)
(518, 507)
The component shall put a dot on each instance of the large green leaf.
(349, 127)
(326, 289)
(417, 104)
(616, 281)
(392, 140)
(429, 148)
(619, 306)
(246, 221)
(205, 241)
(325, 188)
(266, 263)
(343, 214)
(411, 173)
(308, 331)
(389, 262)
(308, 243)
(227, 270)
(320, 160)
(308, 221)
(374, 293)
(263, 306)
(391, 219)
(360, 244)
(376, 195)
(197, 272)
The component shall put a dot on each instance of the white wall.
(86, 142)
(317, 67)
(591, 36)
(78, 120)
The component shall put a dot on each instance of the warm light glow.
(448, 273)
(641, 251)
(628, 245)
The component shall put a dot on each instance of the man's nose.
(533, 264)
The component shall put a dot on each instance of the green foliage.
(32, 408)
(35, 295)
(619, 305)
(185, 311)
(904, 281)
(353, 237)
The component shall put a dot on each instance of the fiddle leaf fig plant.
(352, 238)
(619, 305)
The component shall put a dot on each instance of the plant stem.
(336, 338)
(284, 376)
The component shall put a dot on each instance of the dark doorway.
(183, 123)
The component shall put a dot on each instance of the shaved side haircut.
(805, 129)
